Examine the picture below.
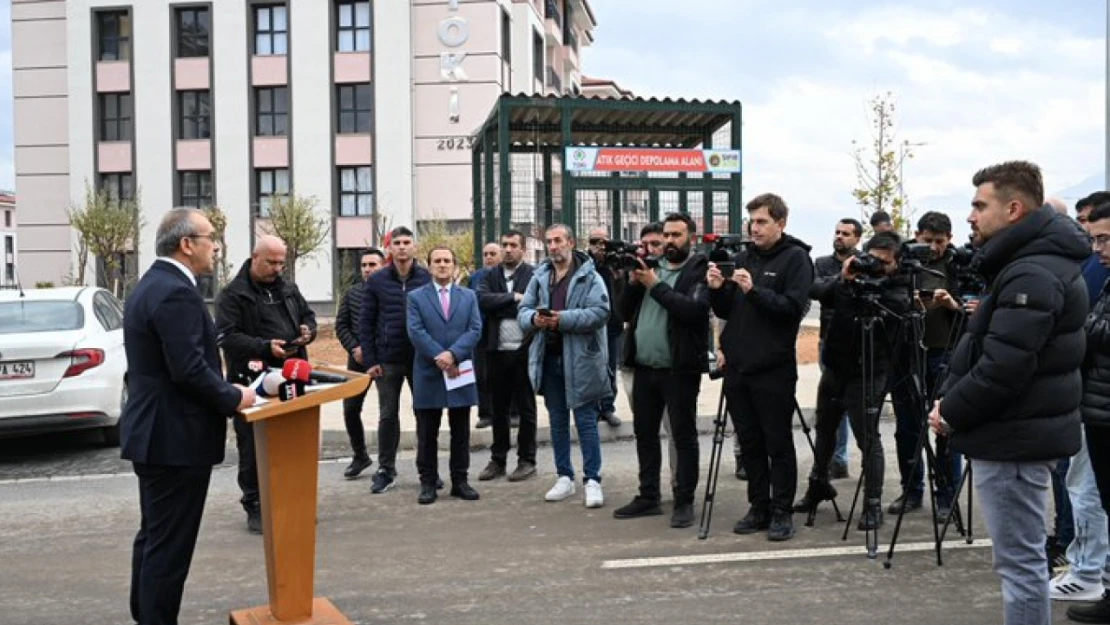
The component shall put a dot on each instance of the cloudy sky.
(978, 81)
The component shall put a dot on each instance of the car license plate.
(16, 370)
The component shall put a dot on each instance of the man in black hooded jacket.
(762, 305)
(1011, 400)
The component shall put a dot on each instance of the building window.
(7, 219)
(113, 31)
(195, 189)
(353, 19)
(196, 114)
(271, 29)
(9, 259)
(537, 57)
(271, 111)
(354, 109)
(192, 32)
(115, 116)
(356, 192)
(270, 182)
(118, 186)
(506, 38)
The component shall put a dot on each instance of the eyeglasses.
(597, 241)
(211, 237)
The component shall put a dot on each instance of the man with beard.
(762, 306)
(261, 320)
(668, 313)
(827, 270)
(1011, 400)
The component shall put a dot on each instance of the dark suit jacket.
(178, 402)
(432, 334)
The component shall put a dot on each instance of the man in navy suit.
(444, 325)
(174, 426)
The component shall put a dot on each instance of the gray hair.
(566, 229)
(176, 225)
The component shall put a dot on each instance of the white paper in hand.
(465, 377)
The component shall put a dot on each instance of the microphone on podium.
(295, 372)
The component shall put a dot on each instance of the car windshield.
(40, 316)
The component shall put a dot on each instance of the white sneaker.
(1067, 587)
(563, 488)
(594, 498)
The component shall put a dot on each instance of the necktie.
(444, 302)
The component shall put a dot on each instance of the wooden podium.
(287, 448)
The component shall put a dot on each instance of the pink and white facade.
(368, 106)
(9, 253)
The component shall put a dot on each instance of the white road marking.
(758, 556)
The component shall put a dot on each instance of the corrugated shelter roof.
(537, 120)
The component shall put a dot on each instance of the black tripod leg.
(714, 467)
(813, 450)
(955, 508)
(852, 510)
(922, 445)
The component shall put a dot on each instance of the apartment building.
(367, 106)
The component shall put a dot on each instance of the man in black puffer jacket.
(346, 330)
(1011, 401)
(387, 352)
(1096, 394)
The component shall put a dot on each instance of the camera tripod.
(720, 425)
(936, 461)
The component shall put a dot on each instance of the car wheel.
(111, 433)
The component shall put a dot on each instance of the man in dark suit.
(174, 426)
(444, 326)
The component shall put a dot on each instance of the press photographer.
(936, 298)
(668, 313)
(870, 290)
(613, 272)
(762, 305)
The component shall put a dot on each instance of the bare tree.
(108, 227)
(218, 218)
(879, 166)
(294, 219)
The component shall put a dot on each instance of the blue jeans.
(616, 341)
(1088, 551)
(553, 387)
(1013, 496)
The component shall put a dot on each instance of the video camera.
(964, 265)
(724, 248)
(621, 255)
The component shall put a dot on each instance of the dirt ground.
(327, 349)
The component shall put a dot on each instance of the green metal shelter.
(521, 179)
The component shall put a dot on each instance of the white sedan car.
(62, 362)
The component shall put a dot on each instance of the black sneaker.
(383, 481)
(782, 527)
(254, 521)
(637, 508)
(683, 515)
(754, 521)
(913, 502)
(1098, 612)
(357, 466)
(871, 519)
(492, 471)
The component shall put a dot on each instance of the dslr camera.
(722, 248)
(621, 255)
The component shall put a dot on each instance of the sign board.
(652, 159)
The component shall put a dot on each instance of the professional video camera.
(621, 255)
(723, 248)
(963, 262)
